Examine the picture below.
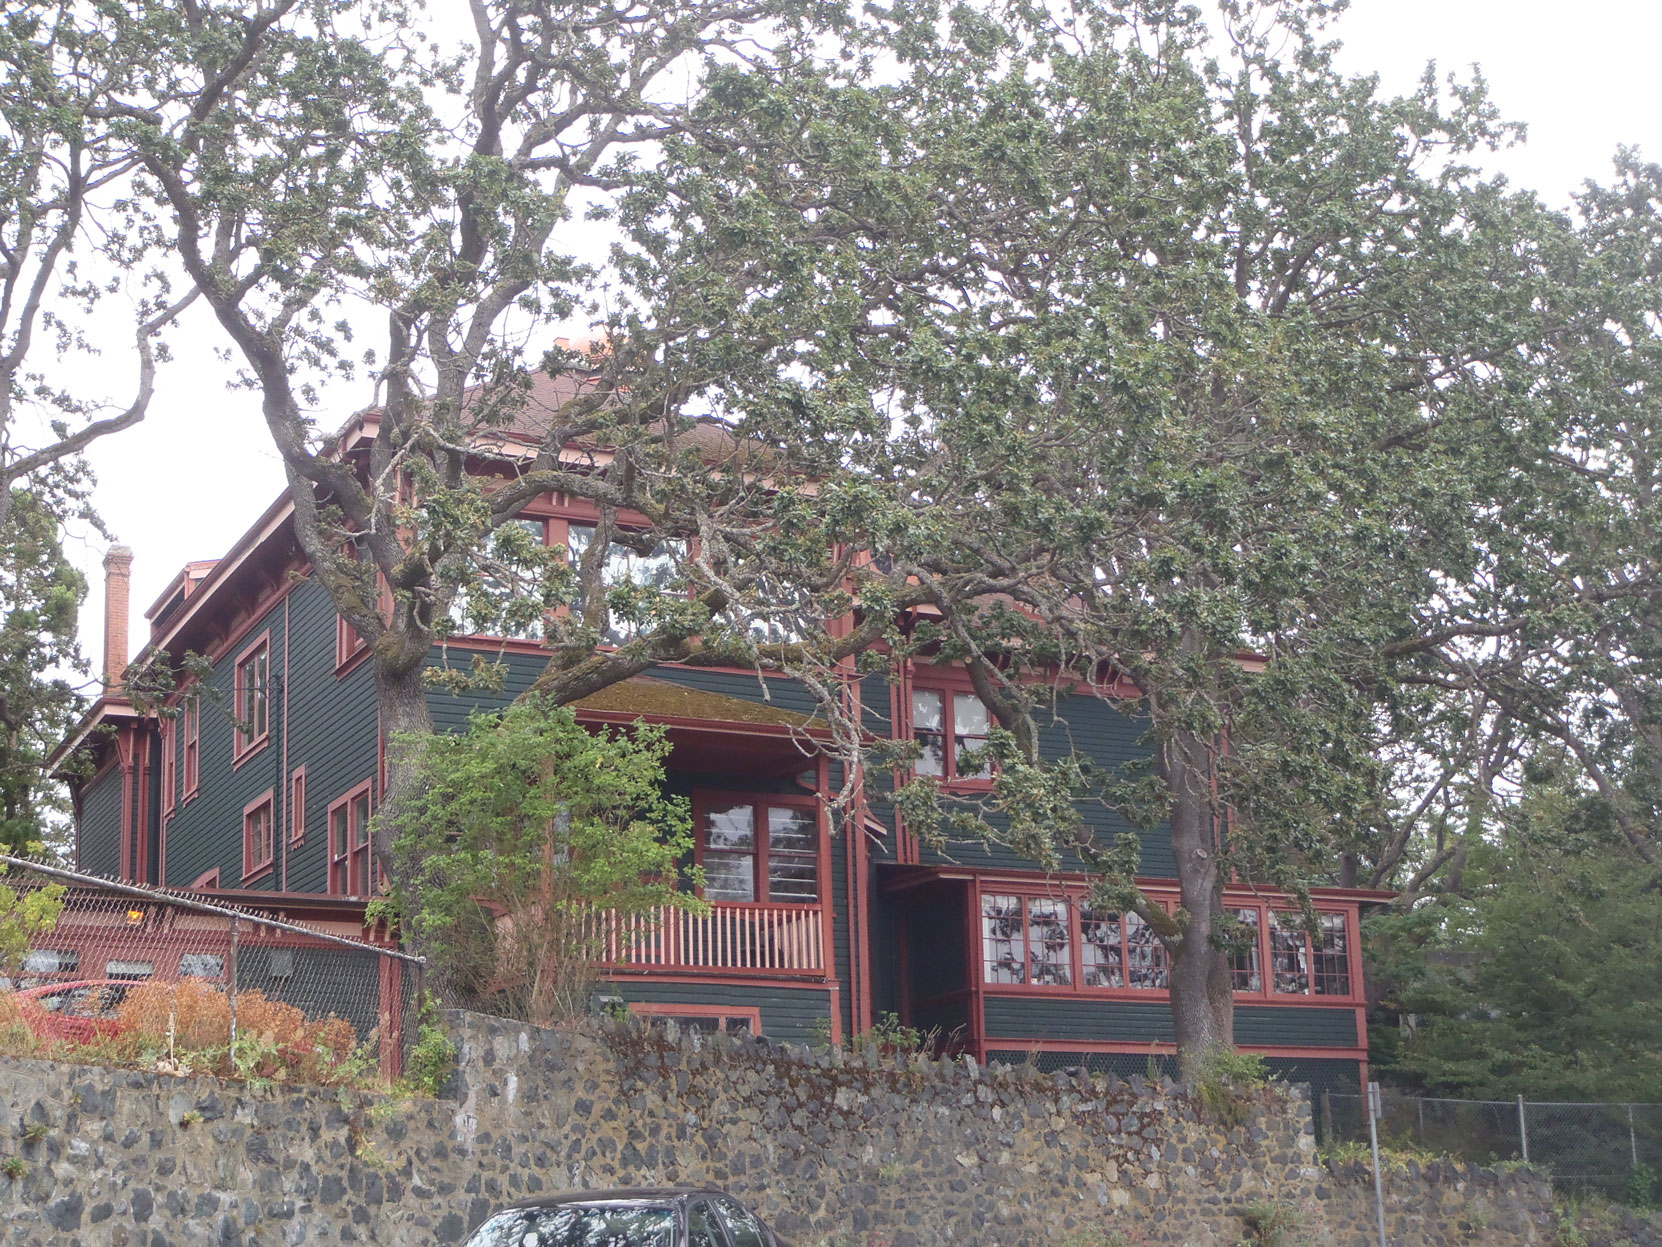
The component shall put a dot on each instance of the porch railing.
(778, 938)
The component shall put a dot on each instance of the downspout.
(279, 758)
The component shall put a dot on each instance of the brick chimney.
(118, 584)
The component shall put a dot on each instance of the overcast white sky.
(195, 475)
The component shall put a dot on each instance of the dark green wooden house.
(814, 930)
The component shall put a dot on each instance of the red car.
(77, 1012)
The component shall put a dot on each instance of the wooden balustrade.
(775, 938)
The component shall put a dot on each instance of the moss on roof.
(643, 695)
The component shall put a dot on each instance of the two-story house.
(816, 926)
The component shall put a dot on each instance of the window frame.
(760, 802)
(1073, 897)
(607, 638)
(190, 761)
(343, 866)
(459, 602)
(751, 1015)
(170, 769)
(297, 806)
(244, 743)
(948, 691)
(253, 867)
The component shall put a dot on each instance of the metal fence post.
(1632, 1138)
(231, 981)
(1523, 1131)
(1373, 1138)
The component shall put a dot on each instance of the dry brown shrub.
(200, 1015)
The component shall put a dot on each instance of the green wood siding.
(332, 730)
(789, 1014)
(1048, 1017)
(99, 827)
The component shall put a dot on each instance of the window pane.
(1003, 947)
(729, 877)
(793, 854)
(1145, 955)
(701, 1227)
(1050, 957)
(969, 728)
(1332, 977)
(1248, 973)
(742, 1228)
(792, 830)
(927, 713)
(1289, 958)
(360, 820)
(793, 879)
(731, 828)
(201, 965)
(1099, 950)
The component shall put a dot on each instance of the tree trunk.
(1202, 979)
(401, 699)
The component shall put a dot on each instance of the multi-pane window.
(761, 848)
(1027, 940)
(1101, 948)
(494, 598)
(257, 838)
(1049, 946)
(657, 571)
(1246, 964)
(1289, 955)
(349, 851)
(1332, 958)
(253, 695)
(945, 725)
(1030, 940)
(1003, 939)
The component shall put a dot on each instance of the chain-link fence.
(96, 969)
(1612, 1149)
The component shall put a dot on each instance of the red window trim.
(342, 857)
(170, 761)
(1076, 987)
(241, 749)
(253, 868)
(191, 750)
(206, 881)
(297, 805)
(722, 1013)
(349, 646)
(704, 799)
(939, 681)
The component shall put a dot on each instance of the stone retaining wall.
(857, 1150)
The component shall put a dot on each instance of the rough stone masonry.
(836, 1149)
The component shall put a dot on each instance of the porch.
(731, 936)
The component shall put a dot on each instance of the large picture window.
(493, 600)
(762, 848)
(624, 565)
(945, 724)
(1066, 942)
(253, 697)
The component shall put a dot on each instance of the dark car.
(650, 1217)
